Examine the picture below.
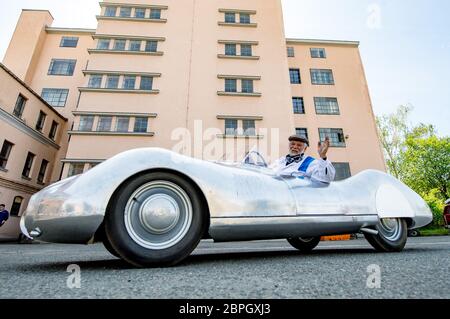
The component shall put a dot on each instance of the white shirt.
(320, 170)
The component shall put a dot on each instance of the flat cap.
(299, 138)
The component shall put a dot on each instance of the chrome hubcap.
(390, 228)
(158, 215)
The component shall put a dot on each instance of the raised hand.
(323, 147)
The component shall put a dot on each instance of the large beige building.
(211, 79)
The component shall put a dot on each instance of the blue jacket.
(4, 215)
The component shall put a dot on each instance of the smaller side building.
(30, 136)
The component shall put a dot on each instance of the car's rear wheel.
(304, 244)
(391, 237)
(156, 219)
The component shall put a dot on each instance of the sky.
(405, 44)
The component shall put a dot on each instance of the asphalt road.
(264, 269)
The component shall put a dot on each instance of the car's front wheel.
(391, 237)
(156, 219)
(304, 244)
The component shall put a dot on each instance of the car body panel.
(253, 197)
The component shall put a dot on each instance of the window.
(155, 14)
(135, 45)
(326, 105)
(20, 105)
(291, 52)
(299, 105)
(139, 13)
(295, 76)
(146, 83)
(42, 171)
(28, 165)
(303, 132)
(86, 123)
(342, 171)
(103, 44)
(230, 17)
(140, 125)
(112, 82)
(125, 12)
(122, 124)
(230, 49)
(324, 77)
(230, 85)
(151, 46)
(119, 45)
(110, 11)
(69, 42)
(4, 154)
(336, 136)
(62, 67)
(41, 121)
(231, 127)
(104, 124)
(246, 50)
(55, 97)
(244, 18)
(318, 53)
(53, 130)
(247, 86)
(95, 81)
(17, 204)
(249, 127)
(129, 82)
(76, 169)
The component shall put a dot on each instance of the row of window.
(131, 12)
(323, 105)
(237, 17)
(121, 124)
(318, 76)
(316, 53)
(18, 112)
(125, 82)
(231, 49)
(234, 127)
(336, 135)
(78, 168)
(15, 208)
(246, 86)
(29, 161)
(127, 45)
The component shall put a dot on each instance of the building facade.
(210, 79)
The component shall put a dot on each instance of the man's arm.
(322, 170)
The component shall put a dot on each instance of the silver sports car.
(152, 207)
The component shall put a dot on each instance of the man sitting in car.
(297, 164)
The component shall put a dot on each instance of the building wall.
(356, 118)
(22, 133)
(191, 75)
(189, 70)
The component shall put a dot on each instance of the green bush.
(437, 207)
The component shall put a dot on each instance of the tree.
(393, 129)
(426, 163)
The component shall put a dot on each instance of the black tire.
(394, 243)
(306, 244)
(132, 227)
(110, 248)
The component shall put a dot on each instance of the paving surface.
(262, 269)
